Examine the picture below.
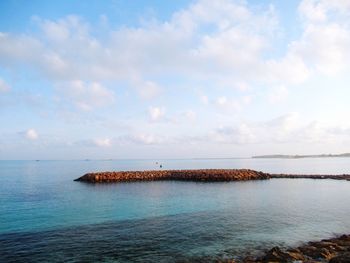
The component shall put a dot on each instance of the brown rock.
(277, 255)
(316, 252)
(334, 250)
(342, 258)
(249, 259)
(331, 246)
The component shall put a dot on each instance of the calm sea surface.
(46, 216)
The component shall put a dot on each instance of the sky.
(173, 79)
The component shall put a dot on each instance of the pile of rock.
(208, 175)
(205, 175)
(334, 250)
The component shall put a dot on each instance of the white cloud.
(67, 49)
(318, 11)
(290, 69)
(239, 134)
(59, 31)
(322, 48)
(325, 47)
(286, 129)
(313, 10)
(4, 87)
(277, 94)
(279, 130)
(156, 114)
(19, 49)
(31, 134)
(149, 89)
(325, 43)
(190, 115)
(106, 142)
(97, 142)
(247, 99)
(289, 128)
(143, 138)
(214, 45)
(286, 123)
(242, 86)
(223, 41)
(86, 96)
(227, 105)
(221, 101)
(204, 99)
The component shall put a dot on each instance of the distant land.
(283, 156)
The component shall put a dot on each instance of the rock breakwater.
(202, 175)
(207, 175)
(312, 176)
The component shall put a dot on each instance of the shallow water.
(45, 216)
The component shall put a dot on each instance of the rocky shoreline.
(333, 250)
(201, 175)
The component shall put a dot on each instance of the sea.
(45, 216)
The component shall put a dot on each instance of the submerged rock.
(313, 176)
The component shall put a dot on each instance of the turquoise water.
(46, 216)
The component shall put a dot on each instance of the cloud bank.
(204, 75)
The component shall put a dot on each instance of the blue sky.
(173, 79)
